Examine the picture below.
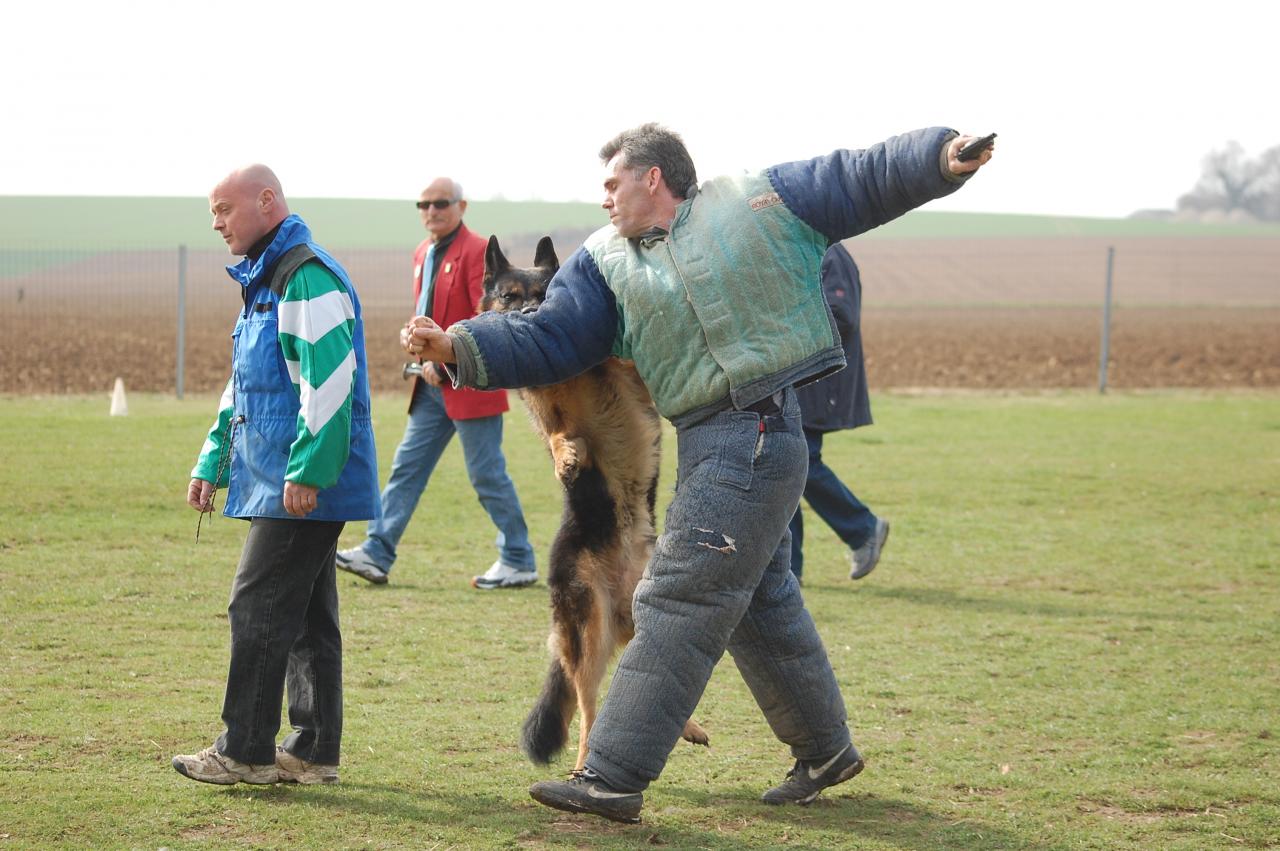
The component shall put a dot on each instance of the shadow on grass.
(1016, 605)
(364, 586)
(732, 819)
(855, 819)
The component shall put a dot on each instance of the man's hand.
(299, 500)
(200, 495)
(957, 167)
(431, 373)
(429, 341)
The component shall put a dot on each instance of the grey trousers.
(720, 579)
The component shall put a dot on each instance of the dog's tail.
(547, 728)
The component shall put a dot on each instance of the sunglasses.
(439, 204)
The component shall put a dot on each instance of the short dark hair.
(651, 145)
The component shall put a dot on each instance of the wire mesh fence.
(949, 313)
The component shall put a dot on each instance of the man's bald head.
(442, 221)
(444, 187)
(246, 205)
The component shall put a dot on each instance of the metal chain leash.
(224, 459)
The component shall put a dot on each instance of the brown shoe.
(295, 770)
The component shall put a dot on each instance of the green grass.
(1072, 642)
(28, 222)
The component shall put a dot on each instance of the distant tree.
(1269, 184)
(1232, 182)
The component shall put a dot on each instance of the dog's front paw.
(569, 457)
(567, 469)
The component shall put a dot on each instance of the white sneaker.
(210, 766)
(865, 557)
(357, 561)
(504, 576)
(295, 770)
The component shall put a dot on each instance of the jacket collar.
(652, 236)
(657, 234)
(684, 208)
(446, 245)
(293, 231)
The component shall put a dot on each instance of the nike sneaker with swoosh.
(586, 792)
(806, 779)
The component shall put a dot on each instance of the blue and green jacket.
(725, 307)
(297, 405)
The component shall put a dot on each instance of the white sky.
(1102, 107)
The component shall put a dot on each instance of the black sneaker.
(806, 779)
(586, 792)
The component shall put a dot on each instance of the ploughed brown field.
(980, 314)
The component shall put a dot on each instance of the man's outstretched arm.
(848, 192)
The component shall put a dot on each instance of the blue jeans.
(719, 579)
(426, 435)
(284, 629)
(852, 521)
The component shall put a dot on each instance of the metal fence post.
(182, 318)
(1106, 325)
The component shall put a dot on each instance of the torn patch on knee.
(728, 546)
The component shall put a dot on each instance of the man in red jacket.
(448, 273)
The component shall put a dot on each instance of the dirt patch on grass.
(1147, 816)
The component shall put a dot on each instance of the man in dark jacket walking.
(831, 404)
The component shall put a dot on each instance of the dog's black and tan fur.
(605, 438)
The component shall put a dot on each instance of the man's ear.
(266, 200)
(653, 179)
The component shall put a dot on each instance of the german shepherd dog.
(605, 439)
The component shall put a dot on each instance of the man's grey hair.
(651, 145)
(455, 188)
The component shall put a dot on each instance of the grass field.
(149, 223)
(1072, 642)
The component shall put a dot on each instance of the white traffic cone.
(119, 407)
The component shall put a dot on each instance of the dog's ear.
(495, 262)
(544, 256)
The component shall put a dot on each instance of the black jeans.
(284, 627)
